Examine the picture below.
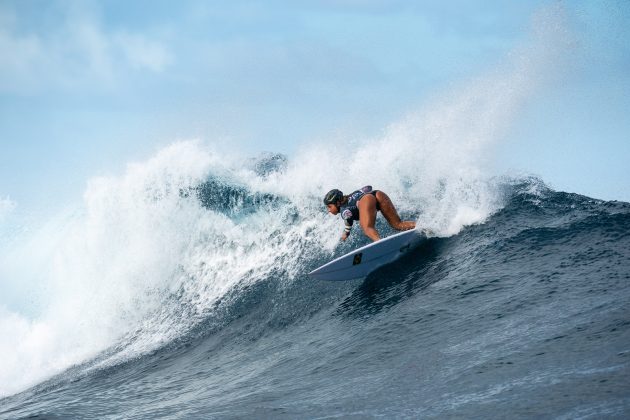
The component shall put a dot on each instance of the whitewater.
(178, 288)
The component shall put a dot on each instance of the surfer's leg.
(367, 216)
(390, 213)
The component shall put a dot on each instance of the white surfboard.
(361, 262)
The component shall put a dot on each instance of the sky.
(86, 86)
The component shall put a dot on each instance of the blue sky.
(86, 87)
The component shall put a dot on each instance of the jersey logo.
(347, 214)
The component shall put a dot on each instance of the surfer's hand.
(344, 236)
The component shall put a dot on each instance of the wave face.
(179, 289)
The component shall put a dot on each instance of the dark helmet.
(333, 196)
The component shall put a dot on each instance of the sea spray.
(106, 258)
(144, 259)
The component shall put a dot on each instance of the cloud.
(78, 53)
(6, 207)
(142, 53)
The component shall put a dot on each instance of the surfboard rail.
(362, 261)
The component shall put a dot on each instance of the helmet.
(333, 196)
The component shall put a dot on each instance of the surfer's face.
(332, 209)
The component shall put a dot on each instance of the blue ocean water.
(203, 307)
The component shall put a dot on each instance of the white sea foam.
(97, 267)
(141, 262)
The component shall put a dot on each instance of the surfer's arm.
(346, 230)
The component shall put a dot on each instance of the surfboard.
(362, 261)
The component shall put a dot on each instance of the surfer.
(362, 205)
